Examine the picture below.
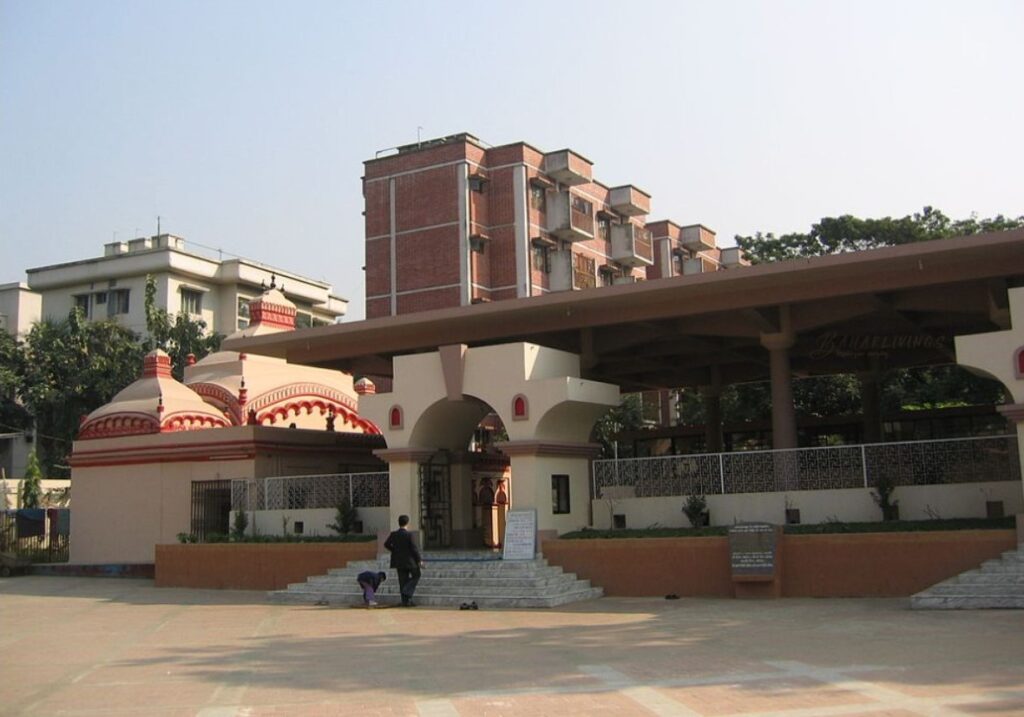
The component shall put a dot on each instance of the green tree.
(13, 416)
(179, 335)
(72, 367)
(834, 235)
(627, 416)
(31, 486)
(932, 387)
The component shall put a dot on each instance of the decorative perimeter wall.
(252, 566)
(837, 565)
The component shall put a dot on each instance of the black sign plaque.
(752, 550)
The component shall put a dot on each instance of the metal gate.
(436, 501)
(211, 508)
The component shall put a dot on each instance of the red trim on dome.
(185, 421)
(285, 411)
(118, 424)
(156, 365)
(280, 317)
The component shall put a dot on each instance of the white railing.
(932, 462)
(325, 490)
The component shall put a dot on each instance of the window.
(560, 494)
(82, 303)
(606, 275)
(303, 320)
(191, 301)
(603, 228)
(542, 259)
(243, 312)
(117, 302)
(100, 298)
(538, 198)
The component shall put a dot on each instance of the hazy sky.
(245, 124)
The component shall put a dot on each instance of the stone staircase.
(996, 584)
(450, 579)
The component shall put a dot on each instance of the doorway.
(436, 501)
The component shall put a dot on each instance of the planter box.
(835, 565)
(252, 566)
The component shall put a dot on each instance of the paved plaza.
(94, 646)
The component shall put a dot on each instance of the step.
(449, 601)
(927, 602)
(482, 582)
(996, 584)
(980, 590)
(450, 579)
(446, 589)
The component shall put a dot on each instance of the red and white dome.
(155, 403)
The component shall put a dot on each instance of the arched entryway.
(438, 403)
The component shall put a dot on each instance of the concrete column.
(404, 482)
(871, 404)
(533, 464)
(783, 412)
(712, 398)
(1015, 412)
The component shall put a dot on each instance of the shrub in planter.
(696, 510)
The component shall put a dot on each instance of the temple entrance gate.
(436, 501)
(437, 401)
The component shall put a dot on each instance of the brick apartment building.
(451, 222)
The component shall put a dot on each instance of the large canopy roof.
(891, 307)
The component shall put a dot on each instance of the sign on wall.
(752, 550)
(520, 535)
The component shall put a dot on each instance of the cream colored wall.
(122, 512)
(562, 408)
(316, 520)
(966, 500)
(561, 405)
(993, 353)
(531, 487)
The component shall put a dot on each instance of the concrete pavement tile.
(785, 693)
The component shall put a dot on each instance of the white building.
(114, 286)
(214, 290)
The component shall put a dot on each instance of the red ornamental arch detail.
(395, 417)
(221, 398)
(347, 417)
(185, 421)
(1018, 363)
(118, 424)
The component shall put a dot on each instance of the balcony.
(629, 201)
(627, 279)
(697, 237)
(567, 167)
(631, 245)
(570, 217)
(571, 271)
(732, 256)
(698, 265)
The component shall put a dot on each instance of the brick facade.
(465, 223)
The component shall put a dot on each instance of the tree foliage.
(834, 235)
(627, 416)
(13, 416)
(179, 335)
(72, 367)
(31, 486)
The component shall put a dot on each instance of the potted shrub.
(696, 510)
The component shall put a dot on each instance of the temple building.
(162, 451)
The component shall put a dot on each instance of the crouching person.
(370, 582)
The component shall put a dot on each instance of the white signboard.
(520, 535)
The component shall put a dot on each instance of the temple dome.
(155, 403)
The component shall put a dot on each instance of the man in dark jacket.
(406, 559)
